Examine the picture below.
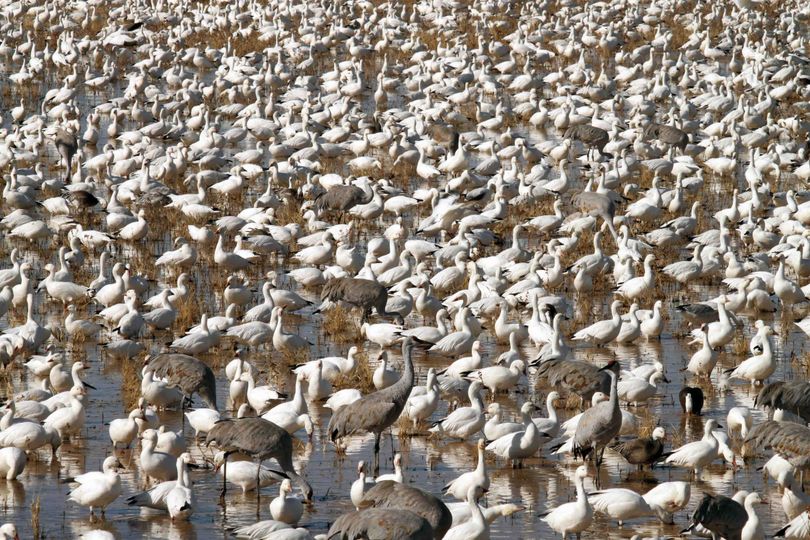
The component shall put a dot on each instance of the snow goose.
(636, 390)
(477, 478)
(759, 367)
(383, 334)
(242, 473)
(551, 425)
(284, 342)
(261, 398)
(499, 378)
(476, 527)
(464, 421)
(12, 462)
(197, 342)
(397, 475)
(70, 419)
(157, 465)
(456, 343)
(522, 444)
(124, 430)
(424, 400)
(180, 500)
(698, 454)
(620, 504)
(703, 361)
(332, 366)
(284, 507)
(98, 489)
(602, 332)
(573, 517)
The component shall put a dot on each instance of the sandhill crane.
(377, 411)
(390, 523)
(721, 516)
(597, 205)
(790, 440)
(592, 137)
(793, 396)
(643, 450)
(667, 134)
(259, 439)
(390, 494)
(601, 423)
(576, 376)
(363, 293)
(342, 198)
(188, 374)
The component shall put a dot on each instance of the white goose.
(98, 489)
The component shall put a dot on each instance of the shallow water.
(430, 463)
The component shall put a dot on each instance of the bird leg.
(258, 489)
(224, 479)
(377, 454)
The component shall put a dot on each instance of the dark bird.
(643, 450)
(81, 198)
(691, 399)
(342, 198)
(363, 293)
(188, 374)
(601, 423)
(790, 440)
(259, 439)
(724, 517)
(576, 376)
(667, 134)
(592, 137)
(793, 396)
(597, 205)
(390, 494)
(66, 145)
(698, 314)
(375, 412)
(381, 524)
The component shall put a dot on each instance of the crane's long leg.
(224, 477)
(258, 489)
(377, 454)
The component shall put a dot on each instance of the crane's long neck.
(614, 392)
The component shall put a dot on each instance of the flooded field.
(139, 97)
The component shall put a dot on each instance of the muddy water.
(543, 483)
(430, 463)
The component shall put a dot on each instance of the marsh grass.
(360, 378)
(340, 326)
(130, 383)
(36, 508)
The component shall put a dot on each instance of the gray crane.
(188, 374)
(597, 205)
(642, 450)
(575, 376)
(66, 145)
(375, 412)
(591, 136)
(381, 524)
(721, 516)
(793, 396)
(259, 439)
(363, 293)
(391, 494)
(342, 198)
(601, 423)
(790, 440)
(667, 134)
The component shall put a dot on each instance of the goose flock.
(281, 269)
